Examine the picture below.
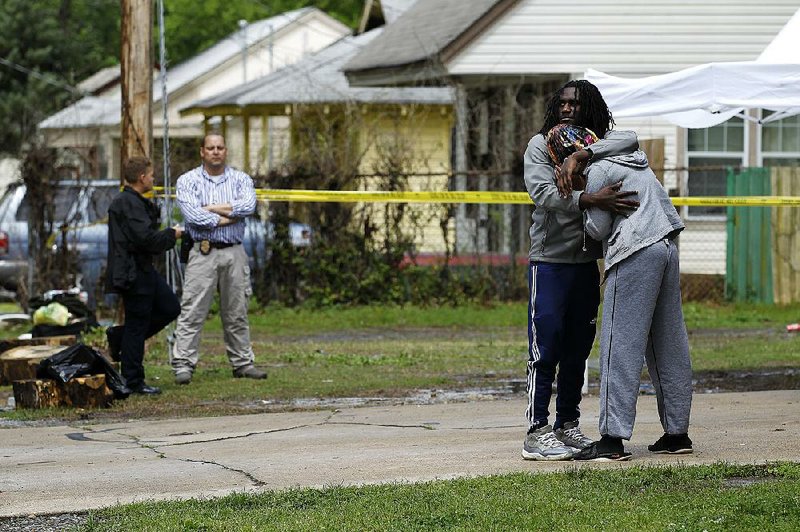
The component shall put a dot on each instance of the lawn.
(387, 351)
(717, 497)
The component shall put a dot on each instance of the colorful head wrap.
(565, 139)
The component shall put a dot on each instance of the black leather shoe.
(144, 389)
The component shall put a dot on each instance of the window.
(714, 148)
(64, 198)
(101, 198)
(780, 141)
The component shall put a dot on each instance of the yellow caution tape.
(506, 198)
(394, 197)
(738, 201)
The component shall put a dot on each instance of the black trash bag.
(83, 318)
(80, 360)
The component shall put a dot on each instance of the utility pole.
(137, 79)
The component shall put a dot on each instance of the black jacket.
(133, 239)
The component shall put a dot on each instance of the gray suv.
(83, 207)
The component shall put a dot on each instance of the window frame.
(762, 154)
(708, 154)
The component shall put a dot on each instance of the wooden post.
(137, 79)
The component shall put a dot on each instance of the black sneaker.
(605, 450)
(672, 444)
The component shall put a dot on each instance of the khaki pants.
(227, 268)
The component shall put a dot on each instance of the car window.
(64, 199)
(99, 201)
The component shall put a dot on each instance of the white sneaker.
(542, 444)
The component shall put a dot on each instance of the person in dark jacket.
(133, 239)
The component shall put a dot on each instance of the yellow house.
(390, 138)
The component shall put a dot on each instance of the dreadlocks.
(594, 113)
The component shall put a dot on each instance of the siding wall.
(623, 37)
(426, 130)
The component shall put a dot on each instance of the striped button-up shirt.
(196, 189)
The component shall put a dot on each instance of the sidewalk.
(81, 467)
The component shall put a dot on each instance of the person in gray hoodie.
(642, 314)
(563, 276)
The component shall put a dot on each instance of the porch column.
(246, 132)
(464, 237)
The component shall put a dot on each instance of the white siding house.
(540, 41)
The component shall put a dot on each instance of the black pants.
(150, 305)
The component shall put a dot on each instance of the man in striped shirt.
(215, 199)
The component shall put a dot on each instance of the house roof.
(418, 40)
(318, 79)
(392, 9)
(100, 80)
(91, 112)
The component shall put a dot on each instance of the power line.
(47, 78)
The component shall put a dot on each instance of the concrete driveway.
(86, 466)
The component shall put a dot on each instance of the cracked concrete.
(83, 466)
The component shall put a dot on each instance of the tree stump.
(84, 392)
(88, 392)
(33, 393)
(66, 340)
(20, 363)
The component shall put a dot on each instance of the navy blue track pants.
(562, 321)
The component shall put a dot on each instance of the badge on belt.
(205, 247)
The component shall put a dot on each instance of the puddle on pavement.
(704, 382)
(746, 381)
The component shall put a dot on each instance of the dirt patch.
(746, 381)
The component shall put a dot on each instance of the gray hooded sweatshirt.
(557, 231)
(655, 219)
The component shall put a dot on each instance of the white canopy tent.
(706, 95)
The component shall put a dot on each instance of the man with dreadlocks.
(563, 276)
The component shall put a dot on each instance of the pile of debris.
(59, 371)
(50, 367)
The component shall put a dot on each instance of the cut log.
(84, 392)
(33, 393)
(88, 392)
(20, 363)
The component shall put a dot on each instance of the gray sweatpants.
(227, 270)
(643, 319)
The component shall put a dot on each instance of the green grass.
(716, 497)
(739, 315)
(281, 320)
(9, 308)
(385, 351)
